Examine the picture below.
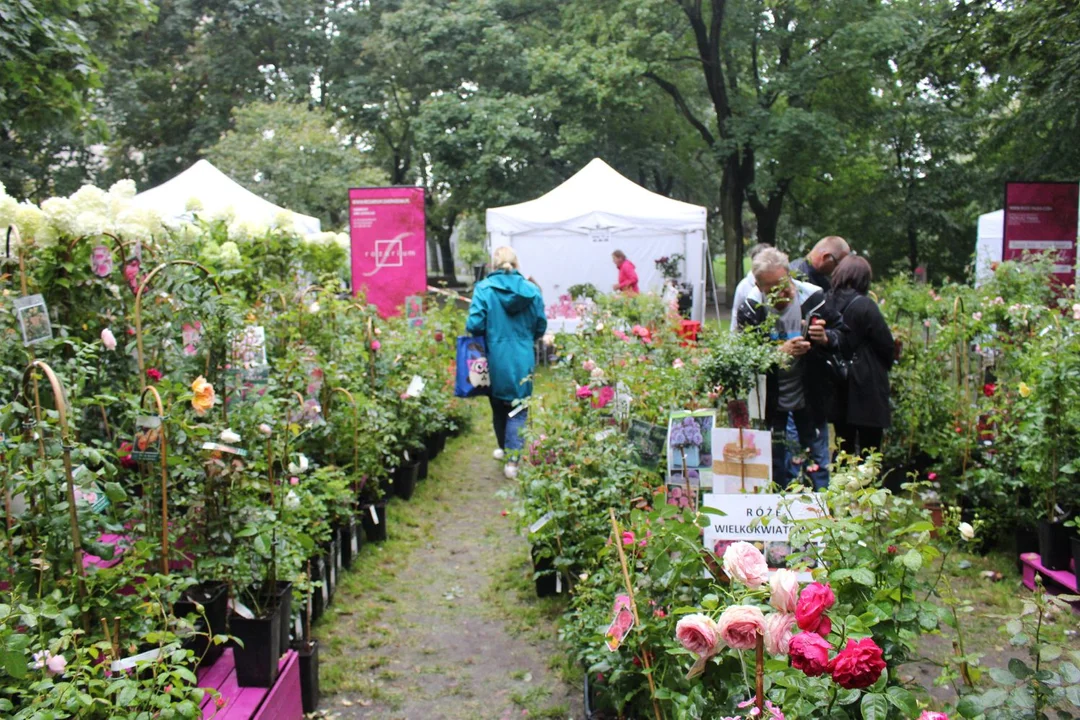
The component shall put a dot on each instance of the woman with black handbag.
(860, 411)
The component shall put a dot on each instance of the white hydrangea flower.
(8, 208)
(284, 220)
(61, 214)
(124, 189)
(91, 199)
(139, 224)
(245, 230)
(33, 224)
(230, 254)
(343, 241)
(226, 214)
(92, 223)
(193, 205)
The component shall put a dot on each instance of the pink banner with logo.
(389, 258)
(1041, 217)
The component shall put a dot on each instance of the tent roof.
(217, 192)
(597, 197)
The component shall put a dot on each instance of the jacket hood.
(512, 290)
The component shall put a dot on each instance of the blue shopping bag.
(473, 378)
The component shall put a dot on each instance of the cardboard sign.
(148, 438)
(34, 321)
(648, 441)
(776, 514)
(743, 461)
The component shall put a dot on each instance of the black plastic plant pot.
(546, 579)
(284, 600)
(405, 479)
(320, 596)
(1055, 551)
(349, 543)
(214, 598)
(330, 574)
(433, 445)
(422, 458)
(257, 660)
(374, 531)
(338, 558)
(309, 673)
(1075, 542)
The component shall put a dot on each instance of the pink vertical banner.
(1041, 217)
(389, 257)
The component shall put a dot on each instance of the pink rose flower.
(809, 652)
(778, 630)
(588, 366)
(154, 374)
(603, 396)
(745, 563)
(584, 391)
(785, 590)
(294, 480)
(622, 602)
(108, 339)
(698, 634)
(628, 538)
(56, 664)
(375, 344)
(814, 600)
(859, 665)
(930, 715)
(740, 626)
(677, 363)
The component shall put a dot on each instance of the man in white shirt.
(742, 290)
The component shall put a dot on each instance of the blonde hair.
(504, 258)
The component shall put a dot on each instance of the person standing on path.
(820, 262)
(860, 410)
(795, 315)
(508, 311)
(628, 279)
(742, 290)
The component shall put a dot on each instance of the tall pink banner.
(389, 260)
(1040, 217)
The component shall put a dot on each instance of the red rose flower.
(154, 374)
(125, 456)
(859, 665)
(809, 652)
(989, 389)
(814, 600)
(438, 336)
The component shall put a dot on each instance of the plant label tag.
(416, 386)
(218, 447)
(33, 315)
(541, 522)
(353, 542)
(325, 592)
(516, 410)
(620, 627)
(374, 515)
(148, 439)
(242, 610)
(604, 434)
(558, 583)
(130, 662)
(406, 454)
(298, 628)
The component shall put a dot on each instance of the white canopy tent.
(566, 237)
(217, 192)
(989, 245)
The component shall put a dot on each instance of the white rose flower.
(292, 500)
(300, 466)
(966, 531)
(314, 307)
(228, 436)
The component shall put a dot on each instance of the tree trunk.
(731, 201)
(447, 255)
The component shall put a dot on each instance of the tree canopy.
(893, 124)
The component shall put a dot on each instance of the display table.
(280, 702)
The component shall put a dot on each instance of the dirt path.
(441, 621)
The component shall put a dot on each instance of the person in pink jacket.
(627, 273)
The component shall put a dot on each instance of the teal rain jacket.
(508, 311)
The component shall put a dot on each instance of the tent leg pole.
(712, 276)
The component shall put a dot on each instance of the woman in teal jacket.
(508, 311)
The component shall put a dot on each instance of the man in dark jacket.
(795, 314)
(817, 266)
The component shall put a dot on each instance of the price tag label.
(541, 521)
(374, 515)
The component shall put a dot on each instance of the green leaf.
(14, 663)
(903, 700)
(1002, 676)
(127, 694)
(115, 492)
(912, 560)
(863, 576)
(874, 707)
(1069, 673)
(993, 698)
(1049, 653)
(969, 707)
(1019, 669)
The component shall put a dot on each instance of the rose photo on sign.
(742, 461)
(148, 433)
(33, 317)
(101, 261)
(249, 348)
